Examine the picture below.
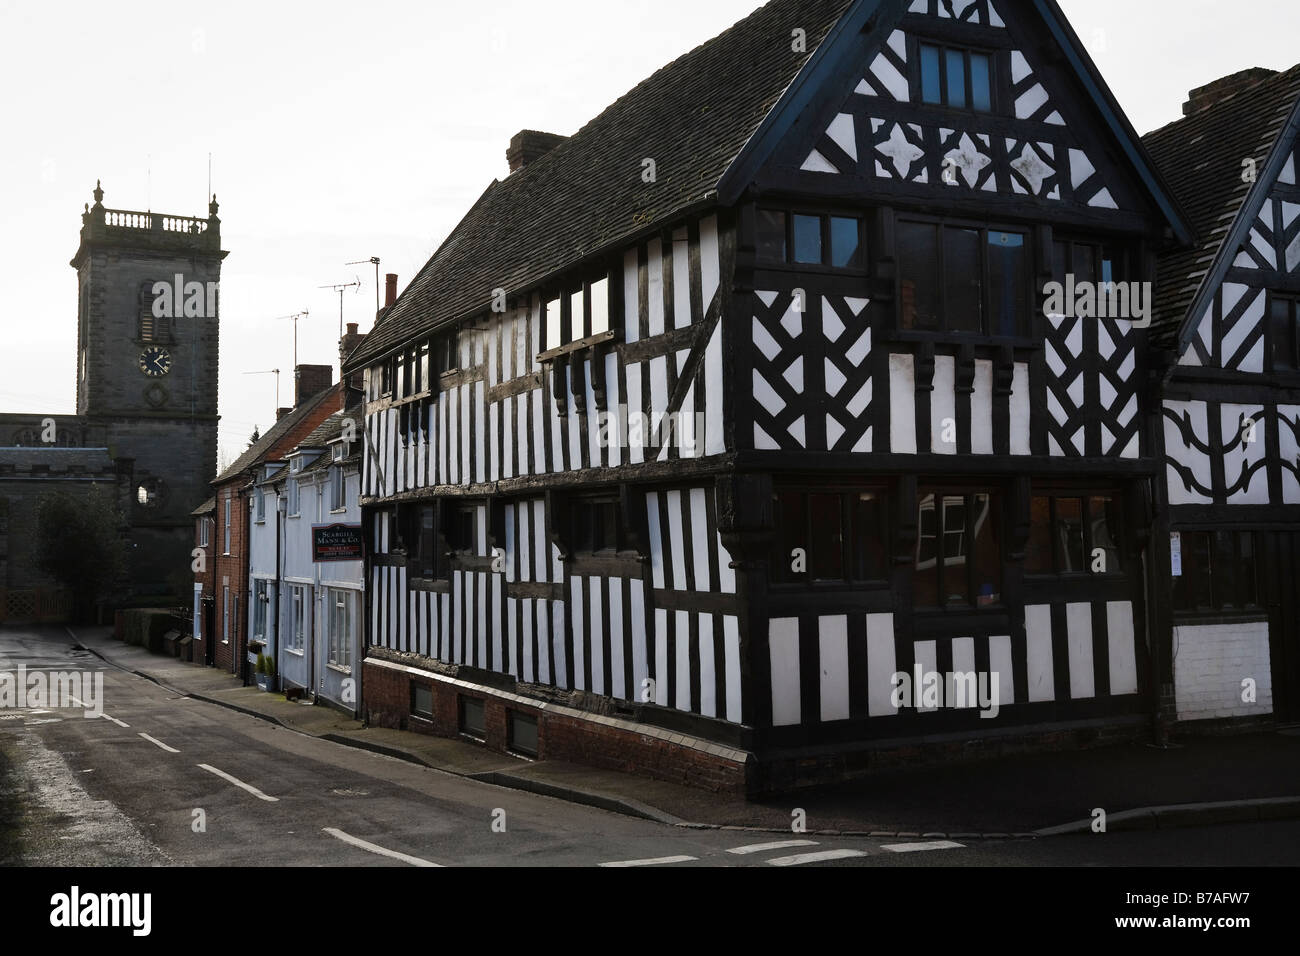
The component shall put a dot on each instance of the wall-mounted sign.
(336, 542)
(1176, 553)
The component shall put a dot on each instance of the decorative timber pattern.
(1092, 388)
(874, 135)
(841, 667)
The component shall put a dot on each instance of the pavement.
(1199, 780)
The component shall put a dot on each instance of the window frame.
(944, 490)
(338, 642)
(826, 217)
(945, 46)
(299, 609)
(1023, 335)
(338, 490)
(1217, 609)
(1292, 301)
(596, 505)
(849, 494)
(1085, 497)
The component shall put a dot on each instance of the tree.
(255, 438)
(79, 543)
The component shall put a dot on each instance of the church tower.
(148, 332)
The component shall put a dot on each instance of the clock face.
(155, 362)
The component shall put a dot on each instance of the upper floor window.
(1090, 261)
(293, 506)
(596, 527)
(963, 279)
(796, 238)
(338, 489)
(203, 532)
(259, 504)
(958, 550)
(226, 550)
(1284, 314)
(960, 78)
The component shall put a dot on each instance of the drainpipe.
(281, 503)
(316, 602)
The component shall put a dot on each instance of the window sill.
(339, 511)
(1229, 616)
(338, 668)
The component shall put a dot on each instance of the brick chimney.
(390, 290)
(347, 345)
(529, 145)
(1222, 88)
(310, 380)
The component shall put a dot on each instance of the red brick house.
(204, 553)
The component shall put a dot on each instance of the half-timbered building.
(711, 421)
(1227, 338)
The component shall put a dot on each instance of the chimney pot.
(530, 145)
(390, 290)
(352, 328)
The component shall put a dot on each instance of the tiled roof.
(587, 196)
(273, 436)
(1201, 157)
(207, 508)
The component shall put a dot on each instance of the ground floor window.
(299, 621)
(958, 549)
(225, 615)
(342, 622)
(261, 600)
(197, 633)
(1074, 534)
(1218, 572)
(829, 536)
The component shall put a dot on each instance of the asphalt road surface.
(165, 780)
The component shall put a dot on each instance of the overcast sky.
(341, 131)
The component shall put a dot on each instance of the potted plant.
(265, 672)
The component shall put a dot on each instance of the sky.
(344, 131)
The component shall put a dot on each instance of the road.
(167, 780)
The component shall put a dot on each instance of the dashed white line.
(661, 861)
(799, 859)
(765, 847)
(120, 723)
(381, 851)
(239, 783)
(159, 743)
(922, 847)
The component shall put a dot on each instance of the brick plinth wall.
(562, 734)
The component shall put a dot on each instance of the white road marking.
(239, 783)
(922, 847)
(825, 855)
(120, 723)
(159, 743)
(764, 847)
(661, 861)
(381, 851)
